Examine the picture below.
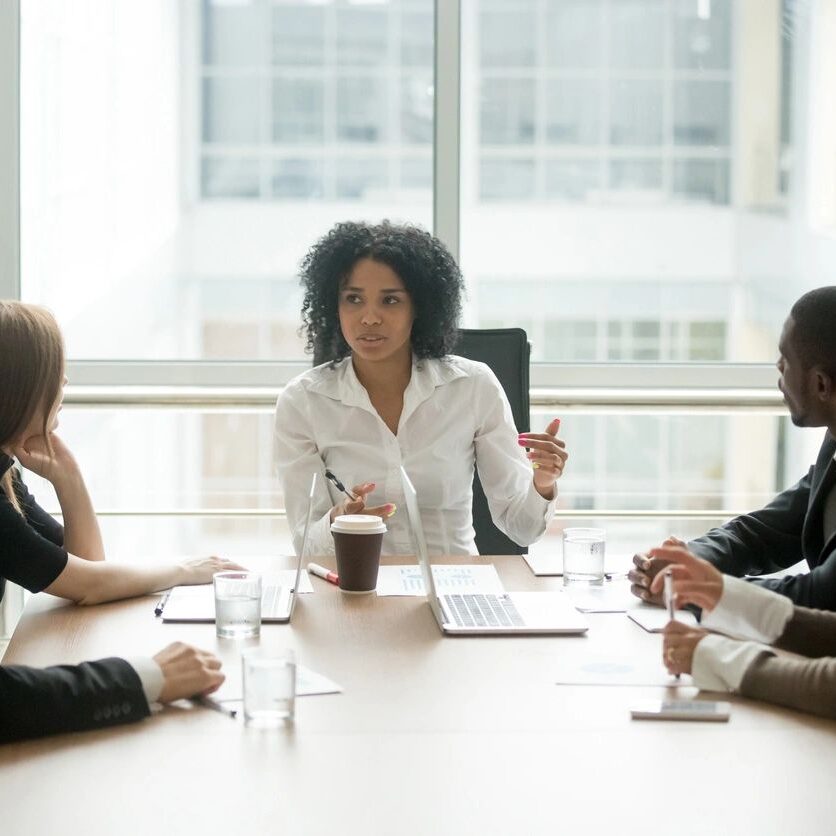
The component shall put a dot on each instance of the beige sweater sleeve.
(809, 632)
(804, 684)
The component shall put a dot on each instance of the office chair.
(507, 352)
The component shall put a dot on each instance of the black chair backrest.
(507, 352)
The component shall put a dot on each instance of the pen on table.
(669, 599)
(322, 572)
(208, 702)
(339, 485)
(158, 610)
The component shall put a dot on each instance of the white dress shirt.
(455, 414)
(745, 611)
(150, 675)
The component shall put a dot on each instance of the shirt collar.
(341, 383)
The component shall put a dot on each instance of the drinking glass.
(583, 556)
(269, 687)
(237, 605)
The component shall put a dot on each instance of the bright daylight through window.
(641, 181)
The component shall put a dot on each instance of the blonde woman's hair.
(31, 373)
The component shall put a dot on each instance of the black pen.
(208, 702)
(339, 485)
(158, 610)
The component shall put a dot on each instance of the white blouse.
(455, 415)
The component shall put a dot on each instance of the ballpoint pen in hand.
(339, 485)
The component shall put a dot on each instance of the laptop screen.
(303, 550)
(419, 543)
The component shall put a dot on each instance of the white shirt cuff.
(537, 506)
(748, 611)
(719, 664)
(150, 675)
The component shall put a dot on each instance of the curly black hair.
(429, 273)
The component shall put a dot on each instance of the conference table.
(430, 735)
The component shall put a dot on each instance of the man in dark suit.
(36, 702)
(799, 523)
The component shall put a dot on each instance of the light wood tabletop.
(431, 735)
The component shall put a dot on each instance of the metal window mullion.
(10, 149)
(447, 127)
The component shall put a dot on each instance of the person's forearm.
(804, 684)
(88, 582)
(82, 536)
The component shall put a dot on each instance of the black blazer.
(787, 530)
(35, 702)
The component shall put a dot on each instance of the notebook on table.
(278, 592)
(473, 614)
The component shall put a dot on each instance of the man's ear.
(825, 385)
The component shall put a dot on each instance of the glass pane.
(636, 174)
(572, 179)
(180, 165)
(637, 33)
(507, 116)
(636, 112)
(701, 113)
(703, 180)
(503, 179)
(573, 112)
(231, 177)
(298, 34)
(702, 34)
(230, 112)
(361, 110)
(233, 34)
(574, 33)
(298, 111)
(508, 33)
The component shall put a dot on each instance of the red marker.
(322, 572)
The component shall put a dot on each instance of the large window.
(638, 182)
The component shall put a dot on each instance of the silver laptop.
(472, 614)
(197, 603)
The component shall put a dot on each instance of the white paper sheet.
(653, 619)
(612, 596)
(308, 684)
(407, 580)
(550, 564)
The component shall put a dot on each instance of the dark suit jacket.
(787, 530)
(35, 702)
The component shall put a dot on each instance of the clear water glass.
(237, 605)
(583, 556)
(269, 687)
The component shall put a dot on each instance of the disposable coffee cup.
(357, 542)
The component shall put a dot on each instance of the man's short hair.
(814, 334)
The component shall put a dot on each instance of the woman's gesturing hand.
(695, 581)
(547, 454)
(358, 506)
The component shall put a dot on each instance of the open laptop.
(473, 614)
(197, 603)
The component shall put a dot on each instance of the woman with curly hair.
(381, 307)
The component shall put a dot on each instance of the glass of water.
(269, 687)
(237, 605)
(583, 556)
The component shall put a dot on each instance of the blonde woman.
(35, 551)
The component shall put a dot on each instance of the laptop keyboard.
(483, 611)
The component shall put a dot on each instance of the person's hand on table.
(358, 506)
(695, 581)
(188, 672)
(201, 569)
(678, 646)
(645, 569)
(547, 454)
